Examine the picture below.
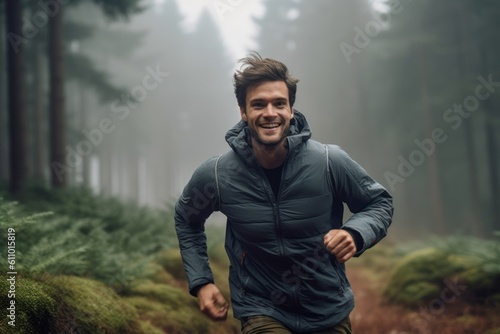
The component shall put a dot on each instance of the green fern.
(85, 235)
(12, 217)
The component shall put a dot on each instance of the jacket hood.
(239, 137)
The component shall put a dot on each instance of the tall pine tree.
(16, 93)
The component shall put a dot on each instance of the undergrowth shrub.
(422, 275)
(86, 235)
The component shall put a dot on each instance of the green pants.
(268, 325)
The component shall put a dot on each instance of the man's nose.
(270, 111)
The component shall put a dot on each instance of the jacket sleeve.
(370, 202)
(195, 205)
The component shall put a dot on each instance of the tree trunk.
(16, 89)
(492, 151)
(133, 176)
(491, 145)
(105, 169)
(40, 120)
(57, 102)
(142, 179)
(82, 108)
(470, 146)
(436, 201)
(3, 106)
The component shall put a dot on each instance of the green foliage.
(487, 252)
(55, 256)
(484, 274)
(420, 276)
(125, 247)
(40, 252)
(86, 235)
(10, 215)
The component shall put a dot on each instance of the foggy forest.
(107, 107)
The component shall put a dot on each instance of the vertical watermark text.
(11, 274)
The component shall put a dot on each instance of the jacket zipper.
(341, 280)
(242, 263)
(274, 202)
(278, 198)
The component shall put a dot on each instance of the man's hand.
(341, 244)
(212, 303)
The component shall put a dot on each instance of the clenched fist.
(212, 303)
(341, 244)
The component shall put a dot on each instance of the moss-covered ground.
(157, 303)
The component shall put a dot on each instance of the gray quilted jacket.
(278, 264)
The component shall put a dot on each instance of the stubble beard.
(266, 144)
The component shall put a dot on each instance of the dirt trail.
(372, 316)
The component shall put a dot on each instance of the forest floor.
(447, 314)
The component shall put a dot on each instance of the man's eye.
(258, 105)
(280, 104)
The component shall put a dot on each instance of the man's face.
(268, 112)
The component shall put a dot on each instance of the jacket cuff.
(193, 290)
(358, 239)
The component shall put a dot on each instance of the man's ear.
(243, 114)
(292, 112)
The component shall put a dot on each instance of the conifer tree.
(3, 98)
(113, 9)
(16, 93)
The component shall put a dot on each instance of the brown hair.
(255, 70)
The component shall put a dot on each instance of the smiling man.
(283, 196)
(268, 113)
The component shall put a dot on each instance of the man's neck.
(270, 157)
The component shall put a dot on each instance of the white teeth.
(270, 125)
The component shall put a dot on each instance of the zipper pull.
(243, 257)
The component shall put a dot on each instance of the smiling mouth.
(270, 125)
